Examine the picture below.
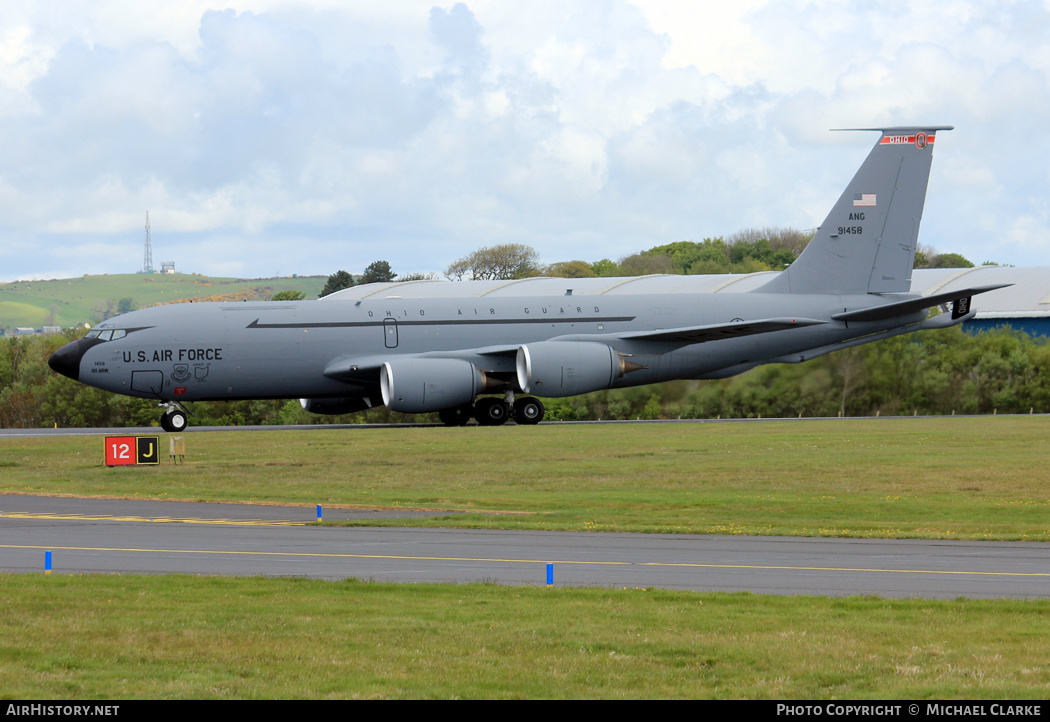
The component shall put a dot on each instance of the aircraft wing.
(365, 370)
(911, 305)
(360, 370)
(719, 331)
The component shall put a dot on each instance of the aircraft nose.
(66, 360)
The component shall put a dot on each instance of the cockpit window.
(106, 335)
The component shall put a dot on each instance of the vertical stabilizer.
(867, 242)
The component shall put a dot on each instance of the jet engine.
(336, 405)
(567, 368)
(416, 385)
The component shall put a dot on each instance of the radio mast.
(147, 265)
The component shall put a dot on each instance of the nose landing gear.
(174, 419)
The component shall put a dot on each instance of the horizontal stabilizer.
(911, 305)
(700, 334)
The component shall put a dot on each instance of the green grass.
(14, 314)
(943, 478)
(75, 300)
(124, 637)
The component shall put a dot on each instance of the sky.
(279, 137)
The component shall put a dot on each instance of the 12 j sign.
(131, 450)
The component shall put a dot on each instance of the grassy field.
(105, 637)
(125, 636)
(943, 478)
(76, 300)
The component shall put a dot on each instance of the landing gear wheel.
(528, 410)
(457, 416)
(174, 421)
(491, 412)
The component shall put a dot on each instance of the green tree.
(289, 295)
(337, 282)
(927, 257)
(510, 260)
(570, 269)
(709, 256)
(748, 251)
(378, 272)
(104, 309)
(779, 239)
(644, 264)
(951, 260)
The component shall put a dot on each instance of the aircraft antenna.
(147, 264)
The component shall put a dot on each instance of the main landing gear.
(174, 419)
(457, 416)
(492, 411)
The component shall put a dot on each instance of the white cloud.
(331, 134)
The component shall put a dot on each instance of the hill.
(68, 302)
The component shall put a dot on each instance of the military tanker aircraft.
(488, 350)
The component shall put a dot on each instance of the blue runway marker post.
(319, 513)
(47, 563)
(550, 575)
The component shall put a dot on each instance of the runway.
(153, 430)
(121, 536)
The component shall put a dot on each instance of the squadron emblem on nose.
(180, 373)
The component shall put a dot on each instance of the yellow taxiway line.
(159, 519)
(331, 555)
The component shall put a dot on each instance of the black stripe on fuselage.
(449, 322)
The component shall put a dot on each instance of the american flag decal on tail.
(864, 200)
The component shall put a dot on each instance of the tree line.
(375, 272)
(941, 372)
(748, 251)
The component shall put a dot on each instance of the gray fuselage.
(209, 351)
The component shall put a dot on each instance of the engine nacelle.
(336, 405)
(568, 368)
(416, 385)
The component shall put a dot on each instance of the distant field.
(15, 314)
(939, 478)
(74, 301)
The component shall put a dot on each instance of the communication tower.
(147, 265)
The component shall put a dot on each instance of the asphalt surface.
(153, 430)
(115, 536)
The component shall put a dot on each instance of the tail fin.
(867, 242)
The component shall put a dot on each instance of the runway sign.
(131, 450)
